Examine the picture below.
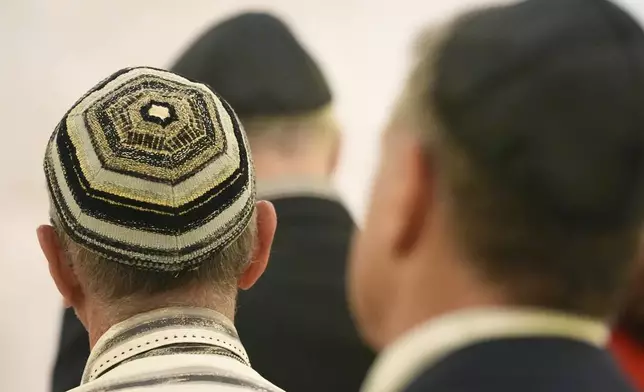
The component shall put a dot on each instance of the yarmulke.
(151, 170)
(547, 96)
(254, 62)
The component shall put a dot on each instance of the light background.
(51, 52)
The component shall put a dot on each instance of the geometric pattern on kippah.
(151, 170)
(121, 131)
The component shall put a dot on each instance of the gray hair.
(114, 281)
(286, 132)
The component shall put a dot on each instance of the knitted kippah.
(151, 170)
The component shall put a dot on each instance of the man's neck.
(273, 166)
(409, 316)
(448, 285)
(103, 317)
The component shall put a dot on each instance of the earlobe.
(266, 225)
(60, 271)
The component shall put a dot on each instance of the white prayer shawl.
(172, 349)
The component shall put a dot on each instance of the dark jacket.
(525, 365)
(295, 322)
(73, 351)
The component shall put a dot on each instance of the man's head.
(512, 172)
(152, 193)
(280, 94)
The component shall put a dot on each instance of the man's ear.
(59, 268)
(336, 150)
(416, 185)
(266, 224)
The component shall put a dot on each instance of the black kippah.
(548, 96)
(254, 61)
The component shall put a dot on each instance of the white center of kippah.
(158, 111)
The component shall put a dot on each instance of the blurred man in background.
(155, 228)
(627, 341)
(507, 210)
(307, 341)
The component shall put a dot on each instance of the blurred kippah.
(548, 97)
(151, 170)
(254, 62)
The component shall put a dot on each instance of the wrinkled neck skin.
(98, 317)
(272, 164)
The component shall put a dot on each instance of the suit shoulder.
(528, 365)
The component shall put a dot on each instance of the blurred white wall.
(53, 51)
